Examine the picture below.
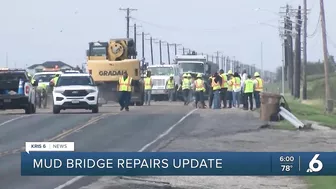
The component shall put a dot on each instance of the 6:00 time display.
(286, 158)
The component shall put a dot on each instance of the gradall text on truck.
(107, 61)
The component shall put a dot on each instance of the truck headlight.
(58, 91)
(91, 91)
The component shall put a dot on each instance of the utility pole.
(175, 47)
(329, 103)
(151, 49)
(135, 40)
(297, 66)
(128, 12)
(160, 48)
(228, 63)
(168, 52)
(288, 42)
(304, 63)
(135, 27)
(223, 63)
(217, 57)
(143, 34)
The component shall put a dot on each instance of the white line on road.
(11, 120)
(75, 179)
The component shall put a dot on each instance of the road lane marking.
(11, 120)
(77, 178)
(61, 135)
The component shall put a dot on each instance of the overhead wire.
(316, 28)
(179, 29)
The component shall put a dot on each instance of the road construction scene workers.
(248, 89)
(148, 88)
(170, 88)
(186, 88)
(259, 83)
(125, 84)
(54, 80)
(199, 88)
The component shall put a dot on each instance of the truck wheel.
(29, 109)
(56, 110)
(95, 109)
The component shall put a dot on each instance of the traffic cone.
(20, 90)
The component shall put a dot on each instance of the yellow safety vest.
(248, 86)
(215, 86)
(224, 81)
(259, 84)
(125, 85)
(199, 84)
(230, 84)
(54, 80)
(148, 83)
(186, 83)
(170, 84)
(237, 83)
(42, 85)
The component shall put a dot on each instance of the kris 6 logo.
(312, 164)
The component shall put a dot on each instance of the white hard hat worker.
(256, 74)
(171, 76)
(185, 75)
(199, 75)
(230, 72)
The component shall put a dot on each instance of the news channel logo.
(312, 165)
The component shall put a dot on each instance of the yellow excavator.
(107, 61)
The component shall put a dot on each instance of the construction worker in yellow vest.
(186, 86)
(216, 87)
(125, 89)
(210, 90)
(148, 88)
(54, 80)
(190, 94)
(236, 90)
(230, 83)
(199, 87)
(248, 88)
(224, 88)
(259, 87)
(170, 87)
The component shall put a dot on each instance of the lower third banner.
(177, 163)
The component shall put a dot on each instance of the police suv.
(17, 91)
(75, 91)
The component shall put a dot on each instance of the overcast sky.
(34, 31)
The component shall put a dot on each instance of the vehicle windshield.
(161, 70)
(74, 80)
(12, 76)
(192, 67)
(43, 77)
(98, 51)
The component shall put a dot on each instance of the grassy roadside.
(312, 110)
(321, 182)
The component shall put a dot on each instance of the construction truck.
(107, 61)
(196, 64)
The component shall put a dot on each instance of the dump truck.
(107, 61)
(196, 64)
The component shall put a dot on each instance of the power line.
(316, 28)
(179, 29)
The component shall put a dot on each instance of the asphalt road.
(109, 130)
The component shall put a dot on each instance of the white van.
(160, 75)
